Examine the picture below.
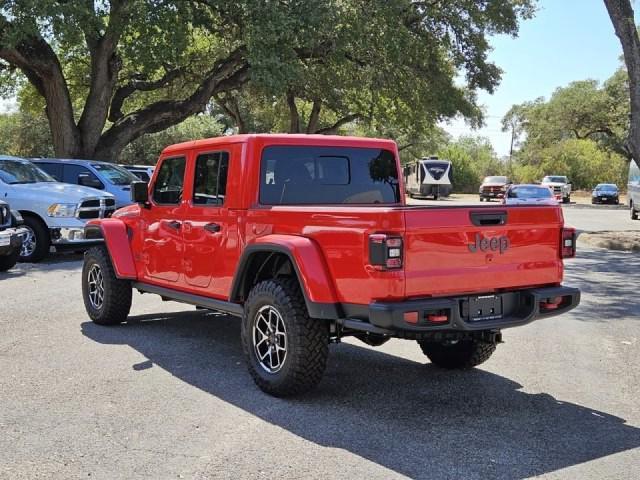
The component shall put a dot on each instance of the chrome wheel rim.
(95, 282)
(28, 243)
(270, 339)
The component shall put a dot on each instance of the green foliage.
(146, 149)
(584, 161)
(25, 135)
(582, 110)
(473, 158)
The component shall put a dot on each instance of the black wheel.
(457, 354)
(566, 199)
(35, 246)
(107, 299)
(8, 261)
(286, 350)
(634, 212)
(481, 199)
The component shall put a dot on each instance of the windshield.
(16, 171)
(607, 188)
(554, 179)
(495, 179)
(115, 174)
(529, 192)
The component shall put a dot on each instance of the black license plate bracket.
(485, 307)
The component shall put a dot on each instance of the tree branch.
(105, 67)
(314, 117)
(294, 116)
(122, 93)
(333, 129)
(229, 73)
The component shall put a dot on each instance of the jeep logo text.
(499, 244)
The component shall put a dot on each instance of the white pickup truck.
(54, 213)
(560, 185)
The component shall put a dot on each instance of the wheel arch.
(265, 259)
(115, 234)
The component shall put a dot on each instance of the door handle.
(174, 224)
(212, 227)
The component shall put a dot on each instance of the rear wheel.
(458, 354)
(35, 245)
(107, 298)
(286, 350)
(8, 261)
(634, 212)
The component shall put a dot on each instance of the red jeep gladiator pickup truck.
(308, 239)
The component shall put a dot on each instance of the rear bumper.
(517, 308)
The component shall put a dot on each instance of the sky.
(567, 40)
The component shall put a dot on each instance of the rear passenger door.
(208, 224)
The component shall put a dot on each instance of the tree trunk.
(622, 17)
(294, 116)
(314, 118)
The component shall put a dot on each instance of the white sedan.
(529, 195)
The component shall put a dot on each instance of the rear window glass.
(302, 175)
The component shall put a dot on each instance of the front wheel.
(286, 350)
(35, 246)
(634, 213)
(107, 299)
(458, 354)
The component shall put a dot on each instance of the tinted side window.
(210, 182)
(71, 172)
(53, 169)
(170, 182)
(328, 175)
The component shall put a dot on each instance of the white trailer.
(428, 177)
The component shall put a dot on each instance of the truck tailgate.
(479, 249)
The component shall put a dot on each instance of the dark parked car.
(11, 236)
(605, 193)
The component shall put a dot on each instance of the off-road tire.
(117, 293)
(307, 339)
(634, 212)
(461, 355)
(42, 239)
(9, 261)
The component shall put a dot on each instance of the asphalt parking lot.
(167, 395)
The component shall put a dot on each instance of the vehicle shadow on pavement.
(410, 417)
(605, 279)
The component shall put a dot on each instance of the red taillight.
(568, 243)
(385, 251)
(437, 318)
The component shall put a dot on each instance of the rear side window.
(169, 182)
(299, 175)
(210, 182)
(53, 169)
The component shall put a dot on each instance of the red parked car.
(307, 238)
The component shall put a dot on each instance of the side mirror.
(87, 180)
(140, 192)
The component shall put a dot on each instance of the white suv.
(54, 213)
